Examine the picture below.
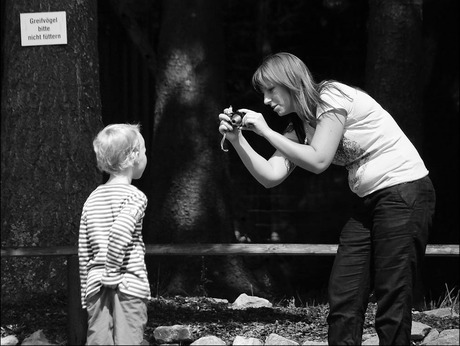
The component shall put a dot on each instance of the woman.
(383, 243)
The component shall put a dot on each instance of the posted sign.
(43, 28)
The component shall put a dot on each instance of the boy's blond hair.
(117, 147)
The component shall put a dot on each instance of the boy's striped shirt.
(110, 248)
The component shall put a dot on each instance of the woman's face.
(278, 97)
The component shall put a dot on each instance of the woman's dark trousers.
(381, 247)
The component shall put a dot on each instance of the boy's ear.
(134, 156)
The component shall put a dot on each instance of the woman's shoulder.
(336, 95)
(343, 87)
(333, 87)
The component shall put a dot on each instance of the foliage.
(47, 277)
(449, 300)
(23, 317)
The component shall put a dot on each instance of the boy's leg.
(401, 225)
(100, 326)
(349, 285)
(129, 318)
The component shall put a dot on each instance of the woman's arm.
(269, 172)
(315, 157)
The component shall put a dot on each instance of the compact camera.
(236, 118)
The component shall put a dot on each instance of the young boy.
(113, 275)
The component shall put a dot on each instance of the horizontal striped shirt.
(111, 250)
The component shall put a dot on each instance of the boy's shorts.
(115, 318)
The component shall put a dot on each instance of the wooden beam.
(239, 249)
(442, 250)
(39, 251)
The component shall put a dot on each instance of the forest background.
(172, 66)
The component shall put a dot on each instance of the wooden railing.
(240, 249)
(76, 318)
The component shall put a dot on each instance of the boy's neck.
(119, 179)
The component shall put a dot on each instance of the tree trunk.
(394, 70)
(50, 113)
(190, 199)
(394, 62)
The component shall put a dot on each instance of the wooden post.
(77, 320)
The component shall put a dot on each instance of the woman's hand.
(226, 127)
(255, 122)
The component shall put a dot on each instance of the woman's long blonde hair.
(289, 71)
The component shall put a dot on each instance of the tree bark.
(188, 180)
(50, 113)
(394, 70)
(191, 196)
(394, 62)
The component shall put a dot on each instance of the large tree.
(50, 112)
(190, 194)
(394, 73)
(394, 69)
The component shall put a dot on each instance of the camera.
(236, 118)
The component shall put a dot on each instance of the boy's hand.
(113, 287)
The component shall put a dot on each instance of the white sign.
(43, 28)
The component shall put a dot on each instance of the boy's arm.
(120, 237)
(83, 256)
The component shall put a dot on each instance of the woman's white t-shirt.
(374, 149)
